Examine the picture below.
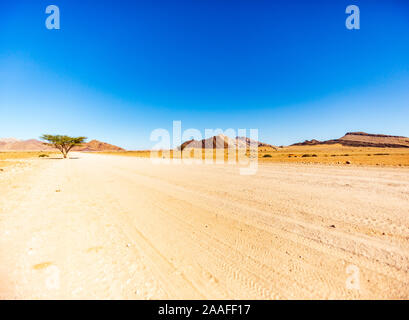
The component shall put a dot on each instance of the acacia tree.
(62, 143)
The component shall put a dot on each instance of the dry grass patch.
(15, 155)
(338, 154)
(9, 155)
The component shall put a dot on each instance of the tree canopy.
(63, 143)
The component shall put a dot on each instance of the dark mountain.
(362, 139)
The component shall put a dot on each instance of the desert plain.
(103, 226)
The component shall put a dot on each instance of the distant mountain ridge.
(12, 144)
(8, 140)
(363, 139)
(95, 145)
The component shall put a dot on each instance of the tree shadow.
(53, 158)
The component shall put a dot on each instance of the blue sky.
(117, 70)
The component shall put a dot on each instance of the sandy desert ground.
(319, 154)
(102, 226)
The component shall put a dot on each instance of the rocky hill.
(362, 139)
(11, 144)
(96, 145)
(221, 141)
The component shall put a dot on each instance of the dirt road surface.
(115, 227)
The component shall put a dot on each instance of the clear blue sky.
(116, 70)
